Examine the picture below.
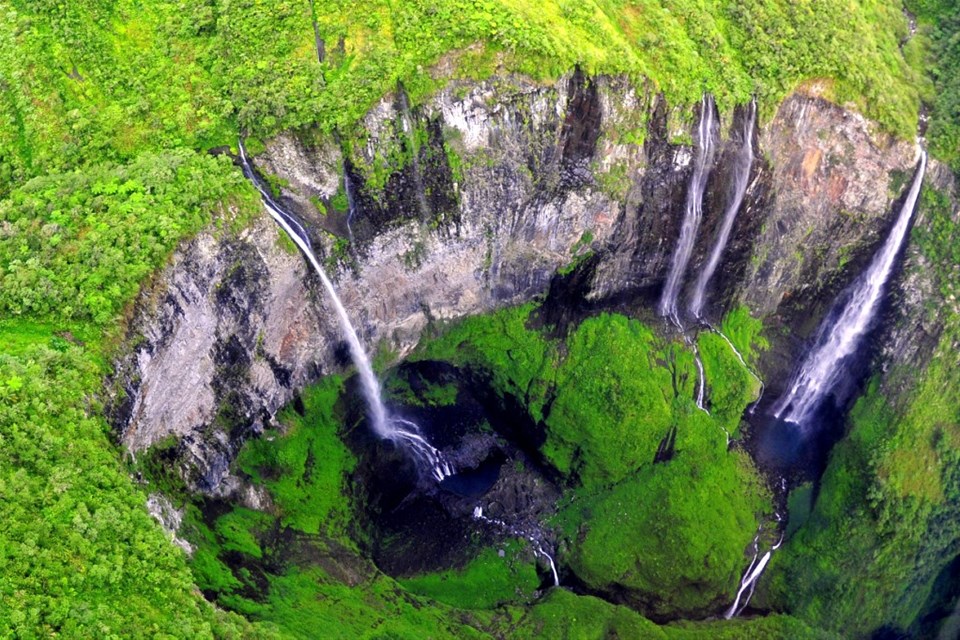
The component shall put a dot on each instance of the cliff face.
(473, 201)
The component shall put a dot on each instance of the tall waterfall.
(383, 425)
(844, 327)
(741, 178)
(693, 211)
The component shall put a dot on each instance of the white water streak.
(702, 380)
(741, 180)
(747, 582)
(520, 533)
(440, 468)
(368, 381)
(383, 425)
(743, 362)
(839, 339)
(351, 203)
(693, 211)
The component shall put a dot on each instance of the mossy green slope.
(566, 616)
(314, 584)
(606, 401)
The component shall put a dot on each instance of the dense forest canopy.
(108, 113)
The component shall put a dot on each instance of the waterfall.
(844, 327)
(384, 426)
(693, 211)
(739, 356)
(351, 205)
(741, 178)
(701, 379)
(749, 581)
(534, 537)
(753, 572)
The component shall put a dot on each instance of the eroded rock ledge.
(500, 184)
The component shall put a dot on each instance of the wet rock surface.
(499, 491)
(500, 184)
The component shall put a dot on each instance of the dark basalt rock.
(417, 525)
(244, 324)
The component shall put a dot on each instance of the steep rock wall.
(473, 201)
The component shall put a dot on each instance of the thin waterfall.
(534, 537)
(384, 426)
(743, 362)
(748, 583)
(351, 203)
(693, 211)
(843, 329)
(701, 380)
(740, 181)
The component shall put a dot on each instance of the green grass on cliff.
(313, 583)
(79, 555)
(564, 615)
(95, 80)
(76, 246)
(606, 399)
(106, 112)
(497, 575)
(304, 466)
(936, 50)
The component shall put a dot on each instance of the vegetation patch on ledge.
(110, 80)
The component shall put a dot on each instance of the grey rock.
(236, 325)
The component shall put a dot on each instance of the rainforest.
(480, 319)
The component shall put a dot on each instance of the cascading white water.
(533, 538)
(701, 380)
(383, 425)
(841, 333)
(693, 211)
(739, 356)
(753, 572)
(351, 204)
(740, 181)
(369, 382)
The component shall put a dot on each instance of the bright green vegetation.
(305, 578)
(304, 467)
(937, 51)
(606, 401)
(79, 556)
(488, 581)
(517, 359)
(731, 385)
(107, 110)
(886, 519)
(99, 80)
(745, 332)
(295, 566)
(426, 394)
(565, 616)
(608, 416)
(75, 246)
(616, 391)
(648, 535)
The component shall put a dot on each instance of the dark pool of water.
(794, 452)
(473, 483)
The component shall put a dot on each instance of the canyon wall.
(473, 201)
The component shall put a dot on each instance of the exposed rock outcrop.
(473, 201)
